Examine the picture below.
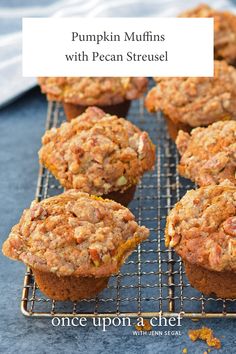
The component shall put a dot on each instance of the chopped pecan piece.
(94, 255)
(229, 226)
(37, 212)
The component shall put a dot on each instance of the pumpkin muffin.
(208, 155)
(99, 154)
(202, 229)
(73, 243)
(224, 31)
(189, 102)
(112, 94)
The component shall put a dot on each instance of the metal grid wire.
(152, 280)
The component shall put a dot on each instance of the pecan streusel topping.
(224, 30)
(88, 91)
(97, 153)
(202, 227)
(74, 234)
(208, 155)
(196, 101)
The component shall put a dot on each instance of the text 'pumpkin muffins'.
(224, 31)
(189, 102)
(98, 154)
(112, 94)
(208, 155)
(202, 229)
(74, 242)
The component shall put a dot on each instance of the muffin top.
(97, 153)
(196, 101)
(88, 91)
(224, 30)
(202, 227)
(74, 234)
(208, 154)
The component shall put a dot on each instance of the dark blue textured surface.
(21, 127)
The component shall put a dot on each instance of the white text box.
(118, 47)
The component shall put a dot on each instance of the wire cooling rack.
(152, 281)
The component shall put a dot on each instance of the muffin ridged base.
(69, 287)
(220, 284)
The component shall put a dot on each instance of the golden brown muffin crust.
(208, 155)
(196, 101)
(224, 30)
(74, 234)
(89, 91)
(202, 228)
(97, 153)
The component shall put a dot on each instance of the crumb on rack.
(205, 334)
(146, 326)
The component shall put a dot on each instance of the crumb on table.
(146, 326)
(205, 334)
